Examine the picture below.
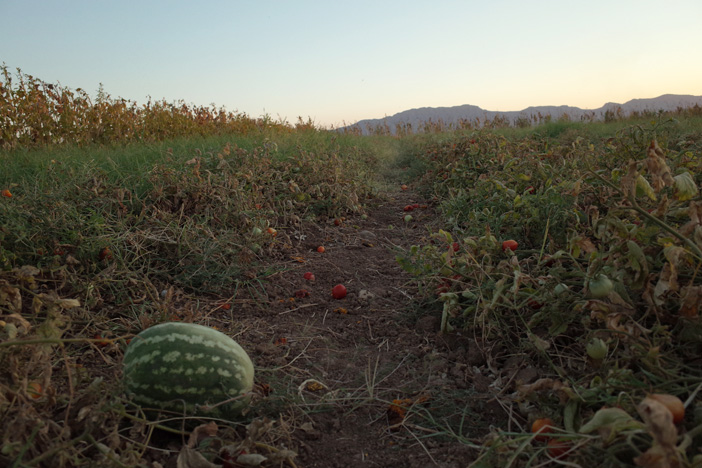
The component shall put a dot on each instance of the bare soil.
(344, 361)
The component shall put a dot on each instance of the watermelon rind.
(188, 369)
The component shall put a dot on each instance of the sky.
(337, 62)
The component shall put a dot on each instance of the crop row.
(35, 114)
(582, 259)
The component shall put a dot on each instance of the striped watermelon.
(187, 368)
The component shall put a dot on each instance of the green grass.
(179, 211)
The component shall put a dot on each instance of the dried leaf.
(691, 299)
(656, 457)
(202, 431)
(539, 343)
(257, 429)
(26, 271)
(659, 423)
(277, 458)
(695, 214)
(658, 168)
(667, 282)
(10, 297)
(586, 245)
(637, 262)
(251, 459)
(189, 458)
(561, 390)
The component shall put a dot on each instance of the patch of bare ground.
(366, 380)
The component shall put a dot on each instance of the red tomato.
(35, 390)
(103, 341)
(320, 249)
(339, 291)
(542, 426)
(673, 403)
(558, 447)
(309, 276)
(510, 244)
(409, 208)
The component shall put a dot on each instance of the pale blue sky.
(340, 62)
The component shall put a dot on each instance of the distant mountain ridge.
(453, 116)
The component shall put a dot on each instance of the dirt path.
(343, 362)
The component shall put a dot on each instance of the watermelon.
(189, 369)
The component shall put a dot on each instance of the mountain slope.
(453, 116)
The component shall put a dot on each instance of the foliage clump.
(602, 295)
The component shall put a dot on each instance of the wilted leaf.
(251, 459)
(685, 187)
(10, 297)
(608, 422)
(658, 168)
(563, 392)
(659, 423)
(22, 326)
(202, 431)
(695, 214)
(190, 458)
(643, 188)
(667, 282)
(691, 300)
(539, 343)
(585, 245)
(637, 261)
(26, 271)
(257, 429)
(277, 458)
